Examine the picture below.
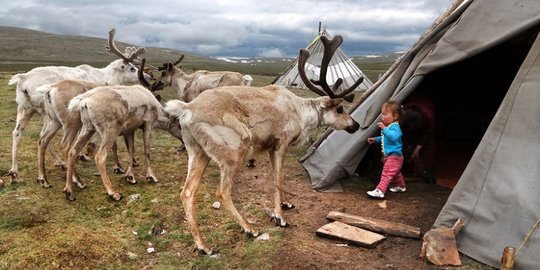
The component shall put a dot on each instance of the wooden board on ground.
(376, 225)
(351, 234)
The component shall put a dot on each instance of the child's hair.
(394, 107)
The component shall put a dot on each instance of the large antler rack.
(127, 59)
(330, 47)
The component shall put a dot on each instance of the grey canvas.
(498, 194)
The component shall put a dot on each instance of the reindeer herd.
(219, 117)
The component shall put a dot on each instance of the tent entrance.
(466, 96)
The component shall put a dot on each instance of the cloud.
(234, 28)
(273, 52)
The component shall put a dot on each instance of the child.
(390, 140)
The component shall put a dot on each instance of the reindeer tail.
(17, 78)
(76, 103)
(246, 80)
(175, 107)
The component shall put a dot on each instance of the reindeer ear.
(331, 102)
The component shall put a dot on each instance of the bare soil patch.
(302, 249)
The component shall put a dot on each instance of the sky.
(234, 28)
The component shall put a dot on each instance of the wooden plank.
(376, 225)
(351, 234)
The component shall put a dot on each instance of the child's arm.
(392, 132)
(378, 139)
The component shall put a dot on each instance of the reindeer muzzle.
(353, 128)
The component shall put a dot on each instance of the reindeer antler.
(330, 47)
(142, 80)
(179, 60)
(132, 52)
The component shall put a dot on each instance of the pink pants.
(391, 171)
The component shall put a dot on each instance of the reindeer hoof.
(152, 179)
(181, 149)
(254, 234)
(135, 163)
(287, 206)
(119, 170)
(44, 183)
(131, 179)
(281, 223)
(115, 196)
(84, 158)
(69, 195)
(14, 176)
(211, 252)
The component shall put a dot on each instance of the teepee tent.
(480, 63)
(340, 67)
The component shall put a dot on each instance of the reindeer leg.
(90, 149)
(49, 129)
(130, 139)
(276, 158)
(229, 169)
(23, 116)
(107, 141)
(146, 139)
(134, 162)
(70, 132)
(198, 161)
(83, 138)
(117, 167)
(58, 162)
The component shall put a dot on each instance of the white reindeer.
(30, 101)
(190, 86)
(225, 123)
(112, 111)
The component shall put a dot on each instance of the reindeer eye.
(122, 67)
(132, 69)
(163, 73)
(339, 109)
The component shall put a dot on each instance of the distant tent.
(340, 67)
(482, 57)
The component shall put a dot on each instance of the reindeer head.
(167, 73)
(331, 112)
(125, 71)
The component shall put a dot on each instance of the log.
(507, 260)
(376, 225)
(351, 234)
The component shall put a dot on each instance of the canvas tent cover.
(498, 194)
(340, 66)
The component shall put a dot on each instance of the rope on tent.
(524, 241)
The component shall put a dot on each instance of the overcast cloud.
(233, 27)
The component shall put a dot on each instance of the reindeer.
(190, 86)
(112, 111)
(225, 123)
(30, 101)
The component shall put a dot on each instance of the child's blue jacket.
(391, 140)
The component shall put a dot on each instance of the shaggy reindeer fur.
(225, 123)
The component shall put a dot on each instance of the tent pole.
(387, 74)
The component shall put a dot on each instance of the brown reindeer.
(225, 123)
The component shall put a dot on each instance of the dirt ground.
(419, 206)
